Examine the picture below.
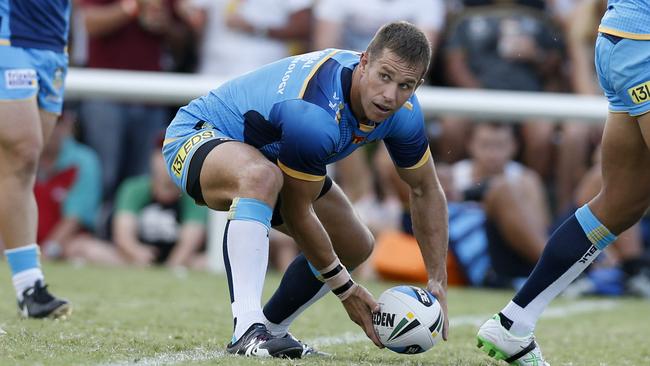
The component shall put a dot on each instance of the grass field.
(155, 317)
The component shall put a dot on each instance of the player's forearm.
(311, 237)
(298, 27)
(64, 230)
(190, 239)
(430, 225)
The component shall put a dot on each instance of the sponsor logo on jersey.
(287, 76)
(308, 61)
(181, 156)
(21, 79)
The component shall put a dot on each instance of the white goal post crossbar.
(179, 89)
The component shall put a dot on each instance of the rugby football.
(410, 319)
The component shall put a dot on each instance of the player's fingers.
(370, 330)
(445, 327)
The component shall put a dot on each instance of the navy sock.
(567, 245)
(298, 286)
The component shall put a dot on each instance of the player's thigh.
(625, 192)
(213, 169)
(234, 169)
(19, 123)
(351, 239)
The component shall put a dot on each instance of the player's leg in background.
(21, 142)
(624, 197)
(299, 288)
(23, 130)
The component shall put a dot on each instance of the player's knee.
(24, 157)
(364, 244)
(263, 178)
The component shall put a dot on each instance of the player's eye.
(384, 76)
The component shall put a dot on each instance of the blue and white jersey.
(40, 24)
(627, 19)
(297, 112)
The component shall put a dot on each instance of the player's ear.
(363, 62)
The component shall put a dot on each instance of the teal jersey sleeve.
(84, 197)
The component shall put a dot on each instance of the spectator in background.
(127, 35)
(492, 147)
(513, 196)
(239, 36)
(153, 223)
(497, 215)
(67, 190)
(495, 236)
(503, 46)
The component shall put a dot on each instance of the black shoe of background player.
(39, 303)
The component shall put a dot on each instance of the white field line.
(201, 354)
(173, 358)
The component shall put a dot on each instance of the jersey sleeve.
(133, 194)
(407, 142)
(309, 138)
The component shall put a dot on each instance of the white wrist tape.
(337, 277)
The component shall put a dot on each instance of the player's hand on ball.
(440, 292)
(360, 306)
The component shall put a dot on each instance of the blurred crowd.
(104, 196)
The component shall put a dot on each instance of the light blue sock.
(25, 267)
(245, 252)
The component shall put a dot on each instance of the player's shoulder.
(410, 111)
(318, 67)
